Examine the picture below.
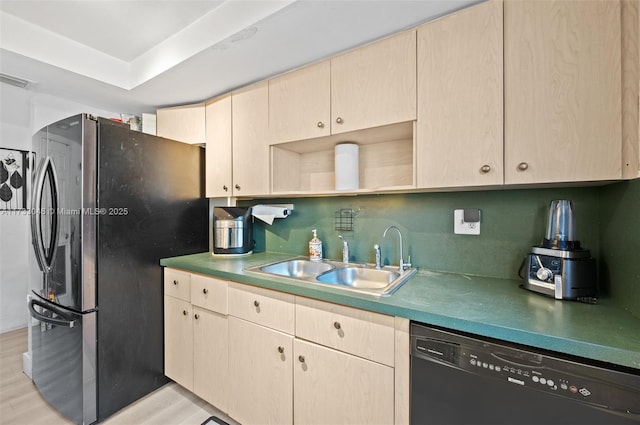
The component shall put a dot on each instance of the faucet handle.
(407, 264)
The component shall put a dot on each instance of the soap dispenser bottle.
(315, 247)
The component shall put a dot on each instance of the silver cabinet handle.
(256, 303)
(184, 312)
(197, 316)
(237, 187)
(485, 168)
(523, 166)
(205, 290)
(281, 349)
(339, 120)
(175, 282)
(301, 359)
(320, 124)
(225, 188)
(336, 325)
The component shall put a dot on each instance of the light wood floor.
(21, 404)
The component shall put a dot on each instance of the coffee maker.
(560, 267)
(231, 231)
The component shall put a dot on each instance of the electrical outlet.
(462, 227)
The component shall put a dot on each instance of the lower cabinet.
(331, 387)
(178, 341)
(196, 338)
(281, 359)
(261, 374)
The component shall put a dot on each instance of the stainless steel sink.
(297, 268)
(359, 277)
(352, 277)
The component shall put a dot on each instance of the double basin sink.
(353, 277)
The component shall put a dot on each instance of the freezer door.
(64, 358)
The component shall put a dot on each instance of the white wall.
(22, 113)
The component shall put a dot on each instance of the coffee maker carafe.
(560, 267)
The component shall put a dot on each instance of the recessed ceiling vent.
(14, 81)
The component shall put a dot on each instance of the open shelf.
(386, 161)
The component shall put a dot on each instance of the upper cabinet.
(250, 129)
(371, 86)
(218, 183)
(182, 123)
(374, 85)
(562, 91)
(460, 99)
(299, 104)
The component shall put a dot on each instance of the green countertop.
(495, 308)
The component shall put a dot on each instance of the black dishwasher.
(458, 378)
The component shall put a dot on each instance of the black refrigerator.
(107, 203)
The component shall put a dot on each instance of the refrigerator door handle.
(65, 320)
(45, 258)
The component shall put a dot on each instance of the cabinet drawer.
(209, 293)
(362, 333)
(177, 284)
(262, 306)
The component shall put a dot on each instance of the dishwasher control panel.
(526, 368)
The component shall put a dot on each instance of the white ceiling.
(135, 56)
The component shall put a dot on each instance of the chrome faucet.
(402, 266)
(345, 250)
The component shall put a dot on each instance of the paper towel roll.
(347, 167)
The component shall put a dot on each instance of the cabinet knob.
(205, 291)
(523, 166)
(281, 349)
(336, 325)
(485, 168)
(320, 124)
(237, 187)
(184, 312)
(175, 282)
(225, 188)
(301, 359)
(256, 303)
(197, 316)
(339, 120)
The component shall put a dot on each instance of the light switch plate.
(461, 227)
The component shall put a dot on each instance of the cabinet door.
(260, 374)
(251, 140)
(210, 357)
(337, 388)
(182, 123)
(460, 99)
(178, 341)
(374, 85)
(218, 181)
(299, 104)
(562, 91)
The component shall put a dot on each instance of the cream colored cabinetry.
(250, 129)
(196, 334)
(299, 104)
(374, 85)
(332, 387)
(182, 123)
(460, 99)
(367, 96)
(260, 355)
(218, 180)
(343, 366)
(562, 91)
(630, 89)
